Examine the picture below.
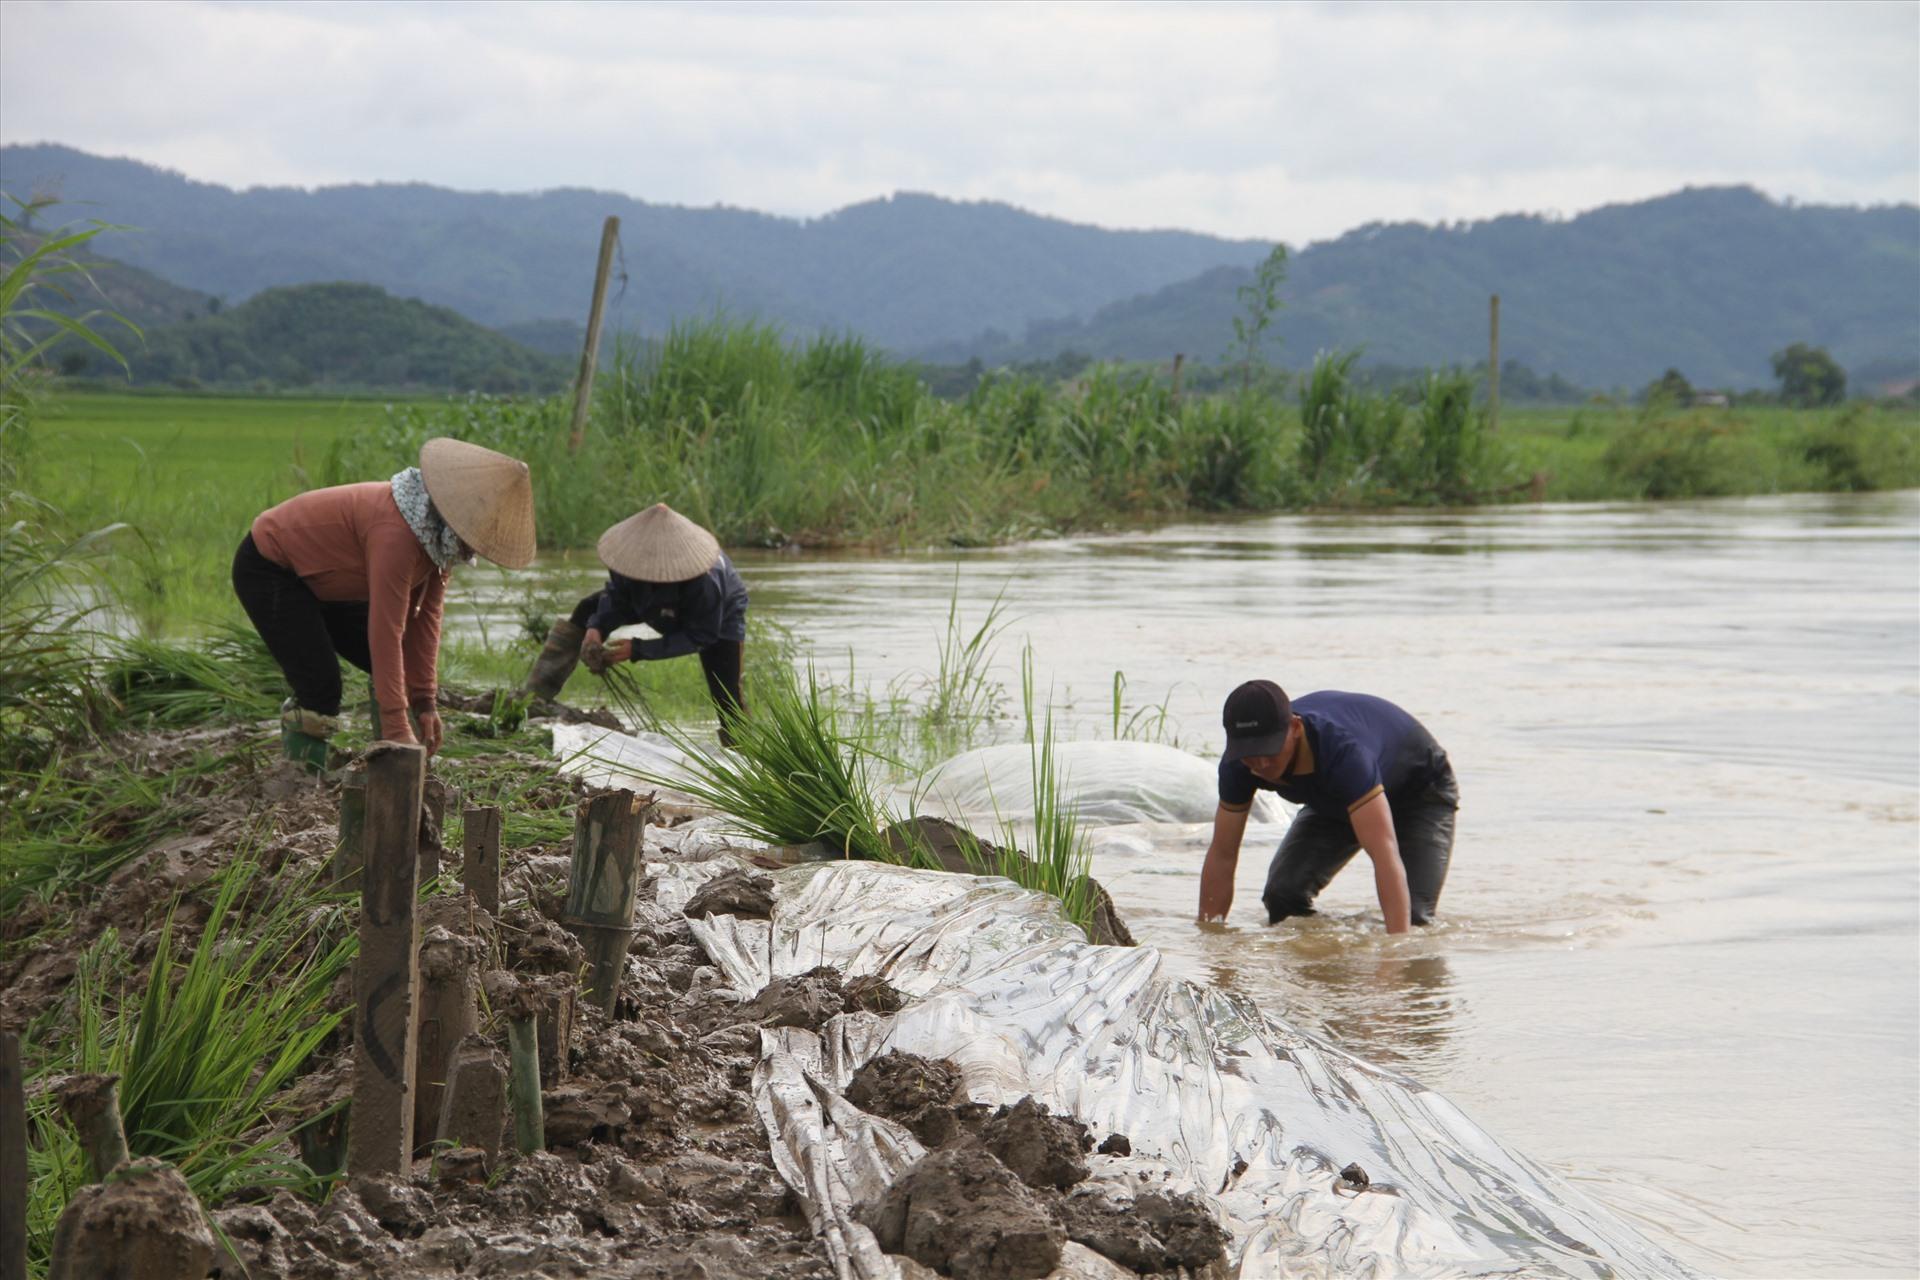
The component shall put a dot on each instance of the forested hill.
(1710, 281)
(906, 272)
(329, 335)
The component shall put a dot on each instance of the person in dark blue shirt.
(1365, 774)
(669, 573)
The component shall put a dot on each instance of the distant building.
(1708, 400)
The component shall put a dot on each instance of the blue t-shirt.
(1354, 747)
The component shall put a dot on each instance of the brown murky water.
(1677, 958)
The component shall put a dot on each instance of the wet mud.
(973, 1206)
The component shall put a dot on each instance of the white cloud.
(1297, 121)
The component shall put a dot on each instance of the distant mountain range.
(908, 272)
(1709, 281)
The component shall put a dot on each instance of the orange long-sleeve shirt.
(350, 542)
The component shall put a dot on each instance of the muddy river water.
(1678, 959)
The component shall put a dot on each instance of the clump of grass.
(227, 676)
(1150, 723)
(1059, 859)
(794, 775)
(203, 1048)
(1696, 455)
(77, 820)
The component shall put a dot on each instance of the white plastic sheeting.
(1216, 1096)
(604, 758)
(1106, 783)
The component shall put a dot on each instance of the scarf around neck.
(437, 538)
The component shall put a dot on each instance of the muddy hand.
(619, 651)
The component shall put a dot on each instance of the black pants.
(306, 635)
(720, 662)
(1317, 845)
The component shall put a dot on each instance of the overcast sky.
(1276, 121)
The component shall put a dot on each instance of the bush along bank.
(828, 443)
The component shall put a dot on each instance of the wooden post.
(350, 852)
(446, 1016)
(1179, 360)
(1493, 364)
(475, 1106)
(583, 390)
(386, 974)
(13, 1160)
(480, 863)
(606, 871)
(92, 1104)
(529, 1124)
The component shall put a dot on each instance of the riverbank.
(770, 451)
(152, 928)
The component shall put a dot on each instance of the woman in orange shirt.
(359, 571)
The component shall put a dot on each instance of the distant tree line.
(326, 335)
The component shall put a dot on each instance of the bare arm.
(1223, 855)
(1373, 825)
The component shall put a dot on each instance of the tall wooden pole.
(1493, 364)
(386, 974)
(583, 390)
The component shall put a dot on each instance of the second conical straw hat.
(485, 497)
(658, 545)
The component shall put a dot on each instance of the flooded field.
(1677, 953)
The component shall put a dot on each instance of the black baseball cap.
(1256, 717)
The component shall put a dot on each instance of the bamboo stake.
(529, 1124)
(606, 867)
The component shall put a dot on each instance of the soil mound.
(142, 1223)
(813, 997)
(1043, 1150)
(914, 1092)
(1043, 1155)
(964, 1214)
(1154, 1233)
(735, 893)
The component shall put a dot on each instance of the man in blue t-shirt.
(1367, 776)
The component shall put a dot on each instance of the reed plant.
(1059, 857)
(794, 775)
(51, 588)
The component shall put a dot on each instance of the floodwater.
(1677, 957)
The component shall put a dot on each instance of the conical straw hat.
(658, 545)
(485, 497)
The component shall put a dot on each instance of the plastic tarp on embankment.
(1216, 1096)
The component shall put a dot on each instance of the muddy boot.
(557, 659)
(304, 734)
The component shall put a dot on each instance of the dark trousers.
(720, 662)
(306, 635)
(1318, 844)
